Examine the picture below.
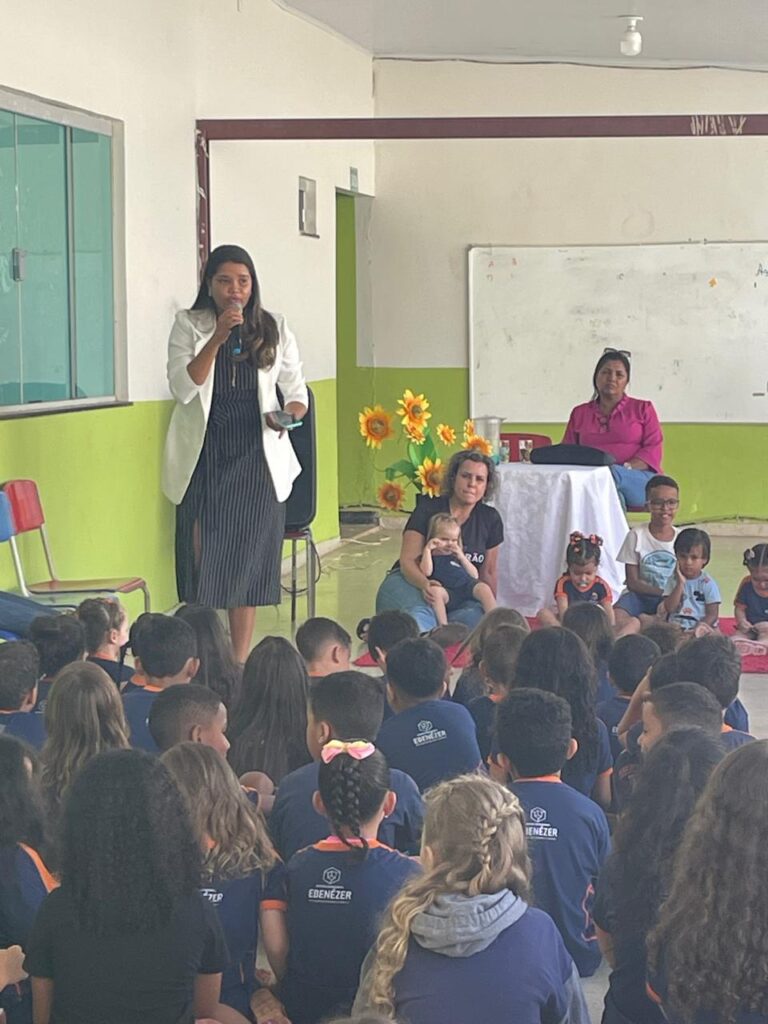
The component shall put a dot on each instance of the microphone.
(234, 334)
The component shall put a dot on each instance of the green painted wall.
(99, 477)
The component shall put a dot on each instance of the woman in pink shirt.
(627, 428)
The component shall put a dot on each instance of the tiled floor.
(346, 592)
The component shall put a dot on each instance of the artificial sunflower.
(430, 476)
(391, 495)
(413, 410)
(375, 425)
(469, 429)
(476, 443)
(414, 433)
(446, 434)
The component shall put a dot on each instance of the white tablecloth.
(541, 506)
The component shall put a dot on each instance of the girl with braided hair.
(335, 891)
(580, 581)
(460, 942)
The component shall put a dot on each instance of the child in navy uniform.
(691, 596)
(188, 713)
(497, 668)
(428, 738)
(239, 876)
(218, 669)
(443, 561)
(678, 706)
(590, 622)
(324, 645)
(471, 683)
(558, 661)
(60, 640)
(714, 662)
(460, 943)
(24, 879)
(341, 705)
(19, 671)
(168, 656)
(751, 603)
(630, 660)
(335, 891)
(106, 633)
(580, 581)
(568, 836)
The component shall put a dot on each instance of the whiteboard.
(694, 317)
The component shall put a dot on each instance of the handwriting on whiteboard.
(718, 124)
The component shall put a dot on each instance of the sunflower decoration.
(446, 434)
(375, 425)
(469, 429)
(476, 443)
(430, 476)
(415, 434)
(391, 495)
(413, 411)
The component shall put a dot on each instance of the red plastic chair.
(539, 441)
(27, 515)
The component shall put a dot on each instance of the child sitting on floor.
(188, 713)
(106, 632)
(751, 603)
(649, 558)
(218, 669)
(443, 561)
(568, 837)
(335, 891)
(461, 943)
(470, 683)
(340, 706)
(590, 622)
(580, 581)
(691, 596)
(630, 661)
(678, 706)
(19, 671)
(497, 668)
(324, 645)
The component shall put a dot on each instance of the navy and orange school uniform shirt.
(568, 842)
(432, 741)
(754, 605)
(583, 776)
(733, 738)
(736, 716)
(294, 823)
(24, 725)
(137, 706)
(598, 593)
(119, 674)
(24, 883)
(610, 712)
(333, 901)
(237, 902)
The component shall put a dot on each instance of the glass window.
(57, 324)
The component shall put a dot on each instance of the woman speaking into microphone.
(229, 464)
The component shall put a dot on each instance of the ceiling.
(727, 33)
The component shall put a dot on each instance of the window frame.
(27, 105)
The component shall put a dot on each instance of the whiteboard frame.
(474, 246)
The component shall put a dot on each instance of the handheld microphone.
(234, 334)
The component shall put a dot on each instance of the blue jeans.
(630, 483)
(17, 613)
(397, 593)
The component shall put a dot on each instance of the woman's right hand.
(228, 319)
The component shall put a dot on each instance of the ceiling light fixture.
(631, 44)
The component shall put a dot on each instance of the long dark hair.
(259, 334)
(269, 723)
(647, 836)
(353, 791)
(711, 933)
(129, 855)
(22, 814)
(590, 622)
(557, 660)
(218, 669)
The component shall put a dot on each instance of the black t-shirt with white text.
(482, 531)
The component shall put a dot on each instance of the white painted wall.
(156, 67)
(434, 199)
(254, 198)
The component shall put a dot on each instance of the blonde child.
(580, 581)
(751, 603)
(443, 560)
(460, 943)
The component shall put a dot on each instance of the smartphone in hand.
(284, 420)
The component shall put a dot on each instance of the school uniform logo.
(331, 888)
(428, 734)
(537, 826)
(212, 895)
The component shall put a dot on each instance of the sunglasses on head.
(618, 352)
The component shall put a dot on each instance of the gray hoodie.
(459, 926)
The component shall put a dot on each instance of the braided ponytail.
(352, 791)
(474, 829)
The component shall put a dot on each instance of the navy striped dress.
(232, 497)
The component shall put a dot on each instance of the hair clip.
(595, 540)
(358, 750)
(749, 556)
(576, 538)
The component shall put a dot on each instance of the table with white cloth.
(540, 507)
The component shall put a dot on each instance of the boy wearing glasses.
(648, 553)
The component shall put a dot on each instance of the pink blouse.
(630, 431)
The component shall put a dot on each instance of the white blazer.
(184, 441)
